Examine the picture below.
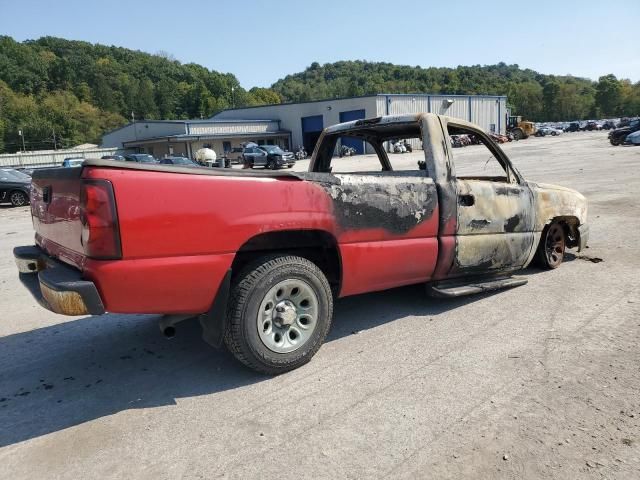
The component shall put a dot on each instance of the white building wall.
(488, 112)
(290, 115)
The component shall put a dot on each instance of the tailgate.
(55, 208)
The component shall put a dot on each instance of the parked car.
(573, 127)
(119, 158)
(592, 125)
(267, 156)
(617, 136)
(140, 158)
(544, 131)
(182, 161)
(633, 138)
(260, 257)
(72, 162)
(608, 125)
(15, 187)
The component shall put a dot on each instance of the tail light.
(100, 232)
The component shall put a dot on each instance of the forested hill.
(79, 90)
(71, 92)
(531, 94)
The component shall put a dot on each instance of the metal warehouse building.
(292, 124)
(306, 120)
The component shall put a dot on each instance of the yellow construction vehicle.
(520, 129)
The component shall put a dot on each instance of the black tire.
(518, 134)
(553, 243)
(19, 198)
(250, 288)
(614, 141)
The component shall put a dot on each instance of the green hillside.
(77, 90)
(531, 94)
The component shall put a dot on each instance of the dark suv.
(267, 156)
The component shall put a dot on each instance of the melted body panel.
(496, 231)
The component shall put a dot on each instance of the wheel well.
(318, 246)
(570, 225)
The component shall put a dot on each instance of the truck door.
(385, 209)
(495, 214)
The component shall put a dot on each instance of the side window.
(346, 160)
(387, 150)
(473, 158)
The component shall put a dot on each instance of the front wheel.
(551, 248)
(614, 141)
(279, 313)
(518, 134)
(19, 199)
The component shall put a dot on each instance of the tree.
(608, 95)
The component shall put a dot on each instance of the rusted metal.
(64, 303)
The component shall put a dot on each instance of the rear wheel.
(279, 314)
(614, 141)
(552, 246)
(18, 198)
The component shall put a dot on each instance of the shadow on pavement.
(70, 373)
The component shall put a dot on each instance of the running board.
(453, 288)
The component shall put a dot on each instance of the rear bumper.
(583, 231)
(56, 286)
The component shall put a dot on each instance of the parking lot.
(542, 381)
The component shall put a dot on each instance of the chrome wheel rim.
(554, 244)
(288, 316)
(18, 199)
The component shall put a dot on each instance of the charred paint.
(479, 224)
(508, 190)
(396, 203)
(511, 223)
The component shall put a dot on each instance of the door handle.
(466, 200)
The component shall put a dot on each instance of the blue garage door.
(355, 143)
(311, 130)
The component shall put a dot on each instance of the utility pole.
(55, 144)
(21, 133)
(233, 100)
(133, 120)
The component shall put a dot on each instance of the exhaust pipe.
(167, 324)
(169, 332)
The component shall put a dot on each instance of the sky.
(263, 41)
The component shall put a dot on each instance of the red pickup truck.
(259, 256)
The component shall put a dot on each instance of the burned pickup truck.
(262, 275)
